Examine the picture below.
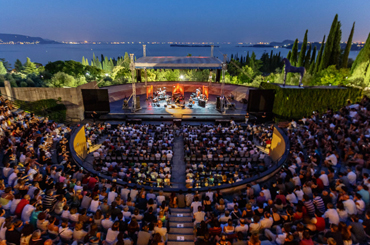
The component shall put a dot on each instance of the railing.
(257, 178)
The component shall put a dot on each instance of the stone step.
(180, 243)
(180, 210)
(175, 230)
(180, 237)
(181, 224)
(181, 214)
(181, 219)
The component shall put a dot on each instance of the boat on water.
(193, 45)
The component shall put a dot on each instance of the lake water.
(53, 52)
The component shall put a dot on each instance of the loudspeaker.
(165, 106)
(182, 106)
(158, 105)
(190, 106)
(218, 103)
(137, 102)
(261, 100)
(173, 106)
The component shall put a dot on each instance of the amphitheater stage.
(149, 111)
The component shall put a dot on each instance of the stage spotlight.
(181, 77)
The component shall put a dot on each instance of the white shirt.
(325, 179)
(267, 194)
(11, 179)
(243, 229)
(195, 206)
(361, 206)
(350, 206)
(210, 195)
(26, 213)
(160, 199)
(106, 223)
(94, 206)
(292, 198)
(333, 159)
(199, 217)
(266, 223)
(352, 178)
(332, 215)
(65, 233)
(111, 197)
(299, 194)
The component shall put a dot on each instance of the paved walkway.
(178, 176)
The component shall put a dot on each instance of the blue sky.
(182, 20)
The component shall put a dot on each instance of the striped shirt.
(310, 207)
(319, 203)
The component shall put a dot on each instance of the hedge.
(46, 108)
(296, 103)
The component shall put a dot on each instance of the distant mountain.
(22, 39)
(280, 44)
(354, 47)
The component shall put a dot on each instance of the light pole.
(132, 67)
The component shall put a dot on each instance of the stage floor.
(207, 112)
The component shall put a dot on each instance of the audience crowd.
(320, 196)
(217, 155)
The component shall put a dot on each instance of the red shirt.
(320, 184)
(320, 224)
(20, 206)
(92, 182)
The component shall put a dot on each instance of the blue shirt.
(365, 196)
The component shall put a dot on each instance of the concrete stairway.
(178, 175)
(181, 227)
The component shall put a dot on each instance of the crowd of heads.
(217, 155)
(321, 194)
(140, 154)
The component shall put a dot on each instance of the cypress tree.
(289, 55)
(329, 45)
(363, 55)
(83, 61)
(93, 60)
(247, 59)
(18, 66)
(318, 60)
(306, 63)
(335, 54)
(348, 48)
(3, 71)
(86, 61)
(302, 54)
(312, 62)
(294, 55)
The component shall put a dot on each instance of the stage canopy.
(171, 62)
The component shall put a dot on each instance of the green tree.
(348, 48)
(336, 52)
(363, 55)
(312, 62)
(3, 71)
(329, 45)
(302, 54)
(83, 61)
(30, 67)
(319, 56)
(294, 55)
(306, 63)
(61, 79)
(18, 66)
